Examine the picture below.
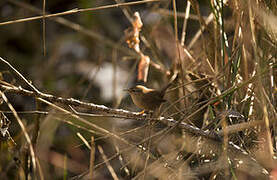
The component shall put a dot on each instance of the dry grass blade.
(261, 95)
(107, 163)
(28, 139)
(44, 28)
(92, 158)
(85, 122)
(185, 24)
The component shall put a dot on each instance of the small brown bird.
(149, 99)
(145, 98)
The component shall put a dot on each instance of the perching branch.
(101, 109)
(118, 113)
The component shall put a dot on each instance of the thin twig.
(85, 121)
(185, 24)
(178, 47)
(73, 11)
(179, 14)
(83, 140)
(43, 29)
(92, 158)
(110, 168)
(199, 32)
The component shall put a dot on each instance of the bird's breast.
(146, 102)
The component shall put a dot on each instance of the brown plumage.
(145, 98)
(149, 99)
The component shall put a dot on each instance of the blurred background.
(84, 56)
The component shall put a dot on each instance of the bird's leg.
(148, 112)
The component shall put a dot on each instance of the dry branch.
(103, 110)
(205, 136)
(77, 10)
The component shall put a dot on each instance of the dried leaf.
(132, 34)
(143, 68)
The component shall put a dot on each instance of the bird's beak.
(126, 90)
